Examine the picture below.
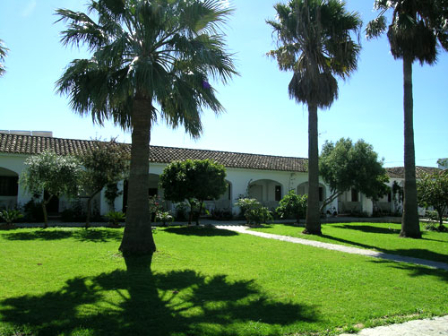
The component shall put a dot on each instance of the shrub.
(10, 216)
(33, 211)
(292, 206)
(164, 217)
(222, 214)
(115, 217)
(75, 213)
(181, 211)
(253, 211)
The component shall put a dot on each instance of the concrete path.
(335, 247)
(429, 327)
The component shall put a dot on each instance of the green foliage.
(33, 211)
(115, 217)
(104, 164)
(432, 191)
(253, 211)
(57, 175)
(76, 212)
(200, 179)
(193, 180)
(164, 217)
(344, 166)
(10, 216)
(416, 29)
(175, 47)
(292, 206)
(3, 53)
(315, 42)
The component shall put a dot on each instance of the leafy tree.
(292, 205)
(3, 53)
(57, 175)
(193, 180)
(106, 163)
(315, 42)
(345, 165)
(149, 59)
(417, 27)
(432, 191)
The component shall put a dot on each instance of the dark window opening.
(278, 193)
(9, 185)
(152, 192)
(321, 194)
(389, 197)
(355, 197)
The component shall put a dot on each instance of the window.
(389, 197)
(321, 194)
(355, 197)
(9, 185)
(278, 193)
(152, 192)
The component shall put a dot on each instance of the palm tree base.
(416, 235)
(317, 232)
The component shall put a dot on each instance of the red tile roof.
(30, 145)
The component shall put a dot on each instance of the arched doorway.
(267, 192)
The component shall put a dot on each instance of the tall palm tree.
(315, 42)
(416, 27)
(3, 53)
(149, 58)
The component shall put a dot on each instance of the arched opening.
(267, 192)
(9, 188)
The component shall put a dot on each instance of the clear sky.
(260, 118)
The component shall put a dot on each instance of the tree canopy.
(193, 180)
(432, 191)
(345, 165)
(3, 53)
(56, 175)
(105, 164)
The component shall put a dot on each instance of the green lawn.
(383, 237)
(201, 281)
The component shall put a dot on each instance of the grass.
(383, 237)
(202, 281)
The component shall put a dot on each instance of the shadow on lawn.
(413, 252)
(370, 229)
(137, 301)
(200, 231)
(415, 270)
(91, 235)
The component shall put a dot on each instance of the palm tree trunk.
(137, 238)
(312, 212)
(410, 222)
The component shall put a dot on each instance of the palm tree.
(315, 42)
(149, 58)
(3, 53)
(416, 27)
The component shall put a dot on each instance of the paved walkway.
(428, 327)
(335, 247)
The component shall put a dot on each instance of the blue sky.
(260, 118)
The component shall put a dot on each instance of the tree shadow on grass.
(91, 235)
(370, 229)
(415, 270)
(413, 252)
(137, 301)
(200, 231)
